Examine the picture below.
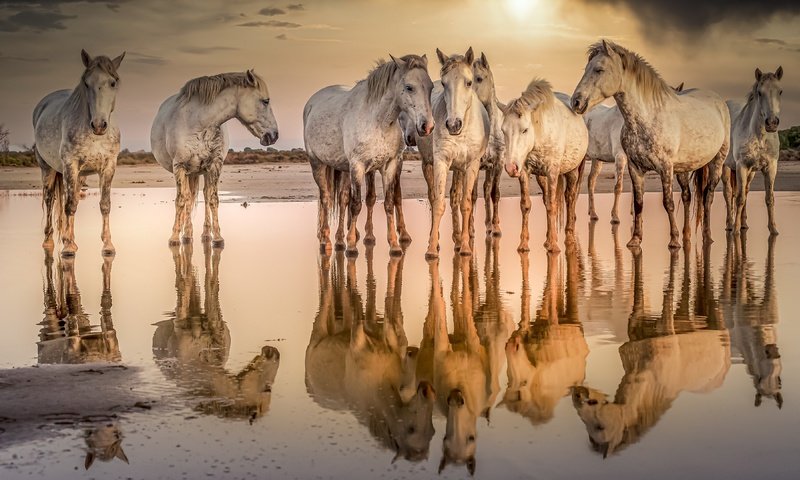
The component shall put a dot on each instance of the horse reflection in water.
(547, 356)
(464, 366)
(360, 361)
(752, 316)
(103, 443)
(192, 347)
(685, 348)
(67, 336)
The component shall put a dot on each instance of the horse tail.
(700, 179)
(336, 182)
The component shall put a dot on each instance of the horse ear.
(441, 56)
(251, 79)
(442, 463)
(608, 47)
(117, 61)
(88, 461)
(471, 466)
(679, 88)
(605, 450)
(484, 61)
(425, 60)
(469, 56)
(758, 74)
(86, 58)
(779, 73)
(121, 455)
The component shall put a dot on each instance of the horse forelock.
(536, 99)
(650, 83)
(754, 90)
(207, 88)
(452, 62)
(381, 75)
(104, 64)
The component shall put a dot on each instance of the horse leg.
(769, 195)
(620, 162)
(714, 173)
(496, 200)
(405, 238)
(456, 188)
(211, 195)
(669, 204)
(193, 182)
(427, 174)
(728, 194)
(49, 191)
(320, 174)
(344, 202)
(356, 177)
(369, 178)
(551, 206)
(106, 177)
(525, 208)
(469, 181)
(389, 176)
(72, 189)
(742, 173)
(750, 176)
(571, 196)
(686, 199)
(474, 199)
(181, 192)
(436, 193)
(488, 183)
(597, 165)
(637, 184)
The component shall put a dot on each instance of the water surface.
(265, 359)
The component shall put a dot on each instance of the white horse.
(188, 139)
(605, 128)
(544, 138)
(663, 132)
(355, 130)
(75, 135)
(460, 146)
(755, 146)
(752, 316)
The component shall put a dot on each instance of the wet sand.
(293, 182)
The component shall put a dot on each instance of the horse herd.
(360, 361)
(352, 133)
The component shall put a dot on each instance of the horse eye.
(265, 101)
(599, 70)
(411, 430)
(479, 79)
(469, 84)
(409, 89)
(780, 93)
(471, 438)
(113, 84)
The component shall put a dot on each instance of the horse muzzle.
(578, 104)
(425, 128)
(771, 124)
(269, 138)
(411, 140)
(512, 170)
(426, 390)
(99, 128)
(454, 127)
(456, 398)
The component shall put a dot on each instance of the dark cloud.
(770, 41)
(282, 36)
(143, 58)
(692, 17)
(271, 23)
(271, 12)
(296, 7)
(34, 20)
(205, 50)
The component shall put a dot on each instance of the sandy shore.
(293, 182)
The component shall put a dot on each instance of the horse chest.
(756, 153)
(92, 152)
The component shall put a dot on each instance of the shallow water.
(266, 360)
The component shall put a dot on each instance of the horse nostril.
(105, 124)
(591, 401)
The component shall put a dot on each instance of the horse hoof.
(206, 237)
(405, 238)
(745, 226)
(218, 243)
(369, 240)
(351, 252)
(67, 253)
(497, 232)
(593, 217)
(674, 244)
(465, 252)
(523, 249)
(325, 248)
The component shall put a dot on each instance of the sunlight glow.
(520, 9)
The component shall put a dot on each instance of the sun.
(520, 9)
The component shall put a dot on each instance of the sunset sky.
(299, 46)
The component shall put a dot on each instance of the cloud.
(295, 7)
(271, 11)
(693, 18)
(35, 20)
(145, 59)
(282, 36)
(194, 50)
(271, 24)
(770, 41)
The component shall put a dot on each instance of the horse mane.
(207, 88)
(78, 100)
(379, 77)
(651, 85)
(537, 99)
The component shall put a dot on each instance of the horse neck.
(752, 112)
(634, 107)
(385, 111)
(223, 108)
(77, 106)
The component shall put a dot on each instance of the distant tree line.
(790, 138)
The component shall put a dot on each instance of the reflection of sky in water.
(268, 295)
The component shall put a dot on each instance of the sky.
(300, 46)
